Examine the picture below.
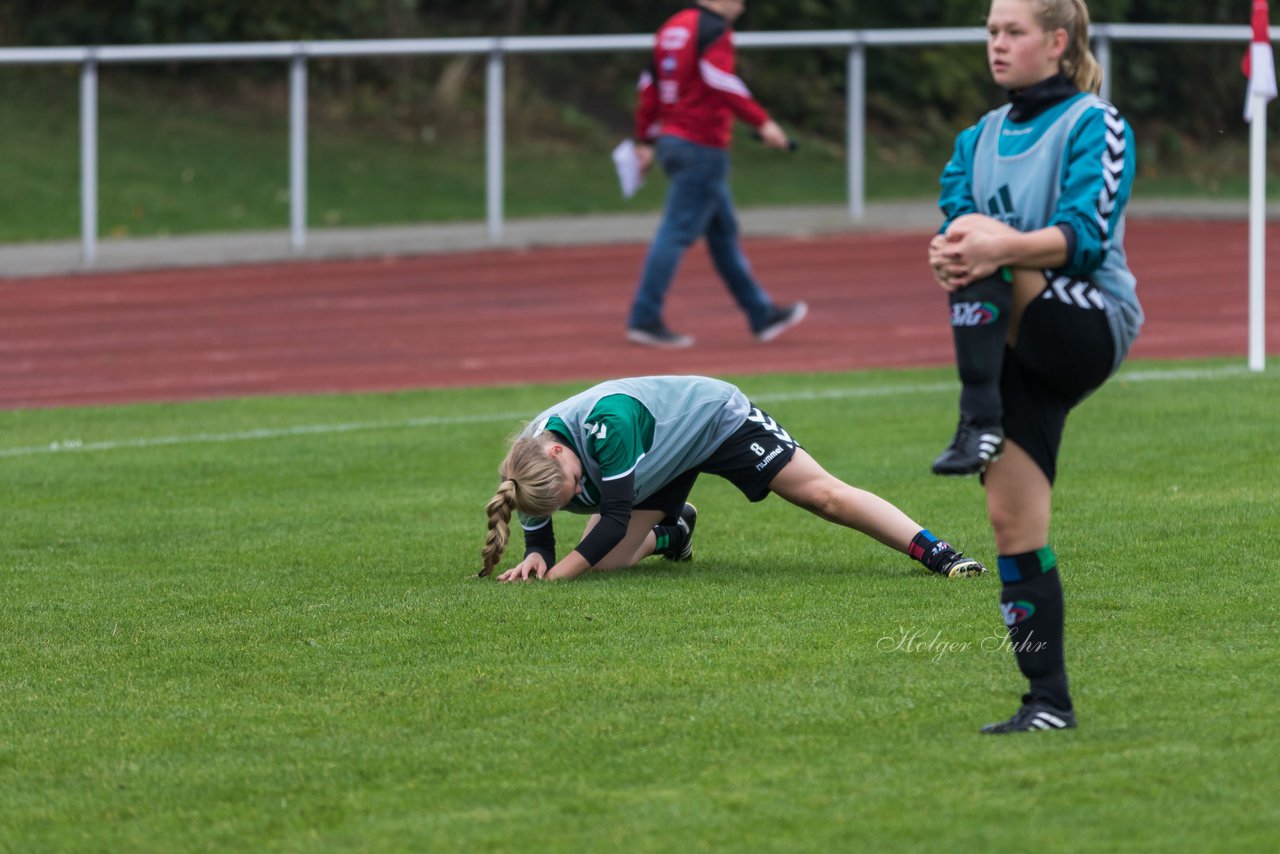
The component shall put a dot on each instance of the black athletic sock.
(929, 550)
(1031, 601)
(979, 324)
(668, 539)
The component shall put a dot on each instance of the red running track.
(517, 316)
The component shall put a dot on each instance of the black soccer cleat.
(974, 447)
(1034, 716)
(686, 523)
(959, 566)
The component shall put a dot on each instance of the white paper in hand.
(629, 175)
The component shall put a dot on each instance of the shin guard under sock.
(979, 324)
(1031, 601)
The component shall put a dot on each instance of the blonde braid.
(499, 509)
(530, 483)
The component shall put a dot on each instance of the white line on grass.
(80, 446)
(67, 445)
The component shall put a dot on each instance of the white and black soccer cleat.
(959, 566)
(686, 523)
(1033, 717)
(974, 447)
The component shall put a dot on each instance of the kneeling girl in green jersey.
(628, 451)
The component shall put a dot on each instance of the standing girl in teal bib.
(1043, 304)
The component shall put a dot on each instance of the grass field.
(181, 161)
(248, 625)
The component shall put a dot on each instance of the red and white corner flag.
(1259, 63)
(1260, 67)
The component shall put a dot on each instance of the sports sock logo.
(1016, 612)
(974, 313)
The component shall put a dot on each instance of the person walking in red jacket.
(689, 98)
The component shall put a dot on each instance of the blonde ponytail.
(530, 482)
(1078, 63)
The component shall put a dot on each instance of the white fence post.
(1102, 53)
(89, 161)
(298, 152)
(856, 150)
(493, 143)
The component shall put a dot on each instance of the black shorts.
(1064, 351)
(750, 459)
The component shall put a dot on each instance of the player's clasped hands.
(969, 250)
(532, 568)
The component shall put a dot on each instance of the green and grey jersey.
(655, 427)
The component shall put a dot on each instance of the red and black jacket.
(690, 89)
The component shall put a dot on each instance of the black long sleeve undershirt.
(616, 499)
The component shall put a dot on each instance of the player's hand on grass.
(532, 568)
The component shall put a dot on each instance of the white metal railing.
(855, 42)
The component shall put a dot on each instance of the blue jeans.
(698, 203)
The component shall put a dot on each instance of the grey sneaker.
(658, 335)
(781, 318)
